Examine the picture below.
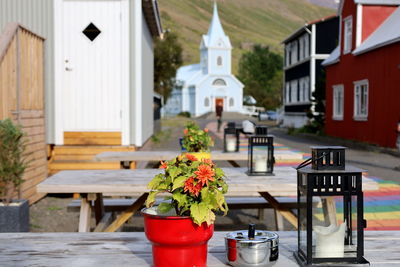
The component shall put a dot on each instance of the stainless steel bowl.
(245, 251)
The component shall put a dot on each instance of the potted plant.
(197, 141)
(180, 228)
(14, 214)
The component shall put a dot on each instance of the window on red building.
(338, 102)
(348, 35)
(361, 100)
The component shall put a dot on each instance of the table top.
(133, 182)
(133, 249)
(167, 155)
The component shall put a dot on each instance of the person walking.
(218, 110)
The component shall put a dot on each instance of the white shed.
(99, 67)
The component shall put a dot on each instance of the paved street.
(378, 164)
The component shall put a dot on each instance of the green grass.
(266, 22)
(54, 208)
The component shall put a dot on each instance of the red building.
(363, 73)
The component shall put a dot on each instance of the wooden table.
(133, 249)
(92, 184)
(129, 156)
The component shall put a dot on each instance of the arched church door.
(219, 102)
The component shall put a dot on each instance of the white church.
(205, 85)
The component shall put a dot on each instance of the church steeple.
(215, 48)
(216, 35)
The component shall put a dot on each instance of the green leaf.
(151, 198)
(219, 172)
(199, 213)
(180, 198)
(173, 172)
(164, 207)
(162, 186)
(208, 198)
(179, 182)
(155, 182)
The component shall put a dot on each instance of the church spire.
(215, 26)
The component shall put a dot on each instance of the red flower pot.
(177, 241)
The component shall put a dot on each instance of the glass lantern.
(231, 139)
(261, 155)
(330, 233)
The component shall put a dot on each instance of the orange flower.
(204, 173)
(163, 165)
(191, 187)
(206, 130)
(191, 157)
(185, 132)
(207, 161)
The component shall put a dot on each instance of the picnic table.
(130, 156)
(133, 249)
(93, 184)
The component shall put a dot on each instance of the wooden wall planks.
(22, 98)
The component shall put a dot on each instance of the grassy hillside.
(246, 22)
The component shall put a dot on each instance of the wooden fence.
(22, 98)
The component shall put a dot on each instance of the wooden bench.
(120, 204)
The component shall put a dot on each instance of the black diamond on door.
(91, 31)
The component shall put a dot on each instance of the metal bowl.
(242, 251)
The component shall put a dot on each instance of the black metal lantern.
(261, 155)
(332, 233)
(261, 130)
(231, 138)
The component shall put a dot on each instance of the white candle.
(329, 241)
(230, 145)
(260, 163)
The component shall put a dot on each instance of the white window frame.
(206, 102)
(347, 34)
(338, 102)
(219, 61)
(361, 98)
(294, 48)
(287, 55)
(293, 90)
(301, 47)
(307, 89)
(301, 89)
(231, 102)
(287, 92)
(306, 45)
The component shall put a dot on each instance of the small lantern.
(261, 130)
(331, 234)
(261, 155)
(231, 138)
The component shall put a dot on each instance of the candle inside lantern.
(260, 163)
(330, 241)
(230, 145)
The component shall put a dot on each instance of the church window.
(219, 61)
(219, 82)
(231, 102)
(206, 102)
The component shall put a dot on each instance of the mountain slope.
(246, 22)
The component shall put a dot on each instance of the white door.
(91, 76)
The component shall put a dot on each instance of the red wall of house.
(382, 69)
(372, 18)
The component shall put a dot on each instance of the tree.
(167, 60)
(260, 70)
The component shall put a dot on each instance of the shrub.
(12, 164)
